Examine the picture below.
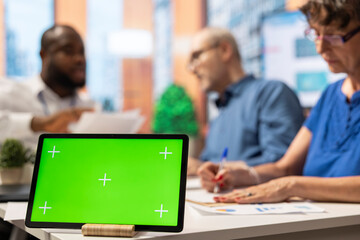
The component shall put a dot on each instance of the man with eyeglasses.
(257, 118)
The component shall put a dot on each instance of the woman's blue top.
(335, 125)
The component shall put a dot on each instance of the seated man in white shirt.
(49, 102)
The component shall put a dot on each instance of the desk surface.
(211, 226)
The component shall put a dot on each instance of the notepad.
(94, 122)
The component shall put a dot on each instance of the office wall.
(24, 22)
(189, 18)
(185, 27)
(2, 40)
(244, 19)
(104, 81)
(137, 73)
(293, 5)
(72, 13)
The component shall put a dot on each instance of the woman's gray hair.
(340, 12)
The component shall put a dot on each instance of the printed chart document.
(203, 201)
(95, 122)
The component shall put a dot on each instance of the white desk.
(341, 221)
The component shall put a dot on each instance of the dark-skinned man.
(51, 101)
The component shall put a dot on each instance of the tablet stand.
(108, 230)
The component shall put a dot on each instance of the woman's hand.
(234, 174)
(277, 190)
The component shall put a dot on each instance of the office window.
(25, 21)
(104, 81)
(243, 19)
(305, 48)
(163, 66)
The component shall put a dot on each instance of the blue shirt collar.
(355, 98)
(234, 89)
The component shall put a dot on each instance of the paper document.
(204, 202)
(15, 211)
(200, 195)
(266, 208)
(94, 122)
(193, 183)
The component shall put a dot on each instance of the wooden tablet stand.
(108, 230)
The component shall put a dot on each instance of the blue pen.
(222, 165)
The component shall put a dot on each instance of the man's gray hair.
(217, 35)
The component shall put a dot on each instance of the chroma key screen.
(108, 181)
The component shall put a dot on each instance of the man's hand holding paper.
(58, 122)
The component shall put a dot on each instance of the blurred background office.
(136, 49)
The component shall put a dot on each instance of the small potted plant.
(174, 113)
(13, 156)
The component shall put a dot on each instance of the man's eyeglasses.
(195, 56)
(334, 40)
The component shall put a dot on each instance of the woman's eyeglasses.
(334, 40)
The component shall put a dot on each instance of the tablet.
(109, 179)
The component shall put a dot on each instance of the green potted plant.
(13, 156)
(174, 113)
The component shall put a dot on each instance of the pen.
(222, 165)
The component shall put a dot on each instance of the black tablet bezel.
(177, 228)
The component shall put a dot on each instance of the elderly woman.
(323, 161)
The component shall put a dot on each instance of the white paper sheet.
(95, 122)
(15, 211)
(202, 196)
(266, 208)
(193, 183)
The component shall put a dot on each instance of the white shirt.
(20, 102)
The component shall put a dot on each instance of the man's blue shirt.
(335, 126)
(258, 120)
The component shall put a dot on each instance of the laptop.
(130, 179)
(14, 193)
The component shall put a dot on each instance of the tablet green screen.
(108, 181)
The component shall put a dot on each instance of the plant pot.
(11, 175)
(27, 173)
